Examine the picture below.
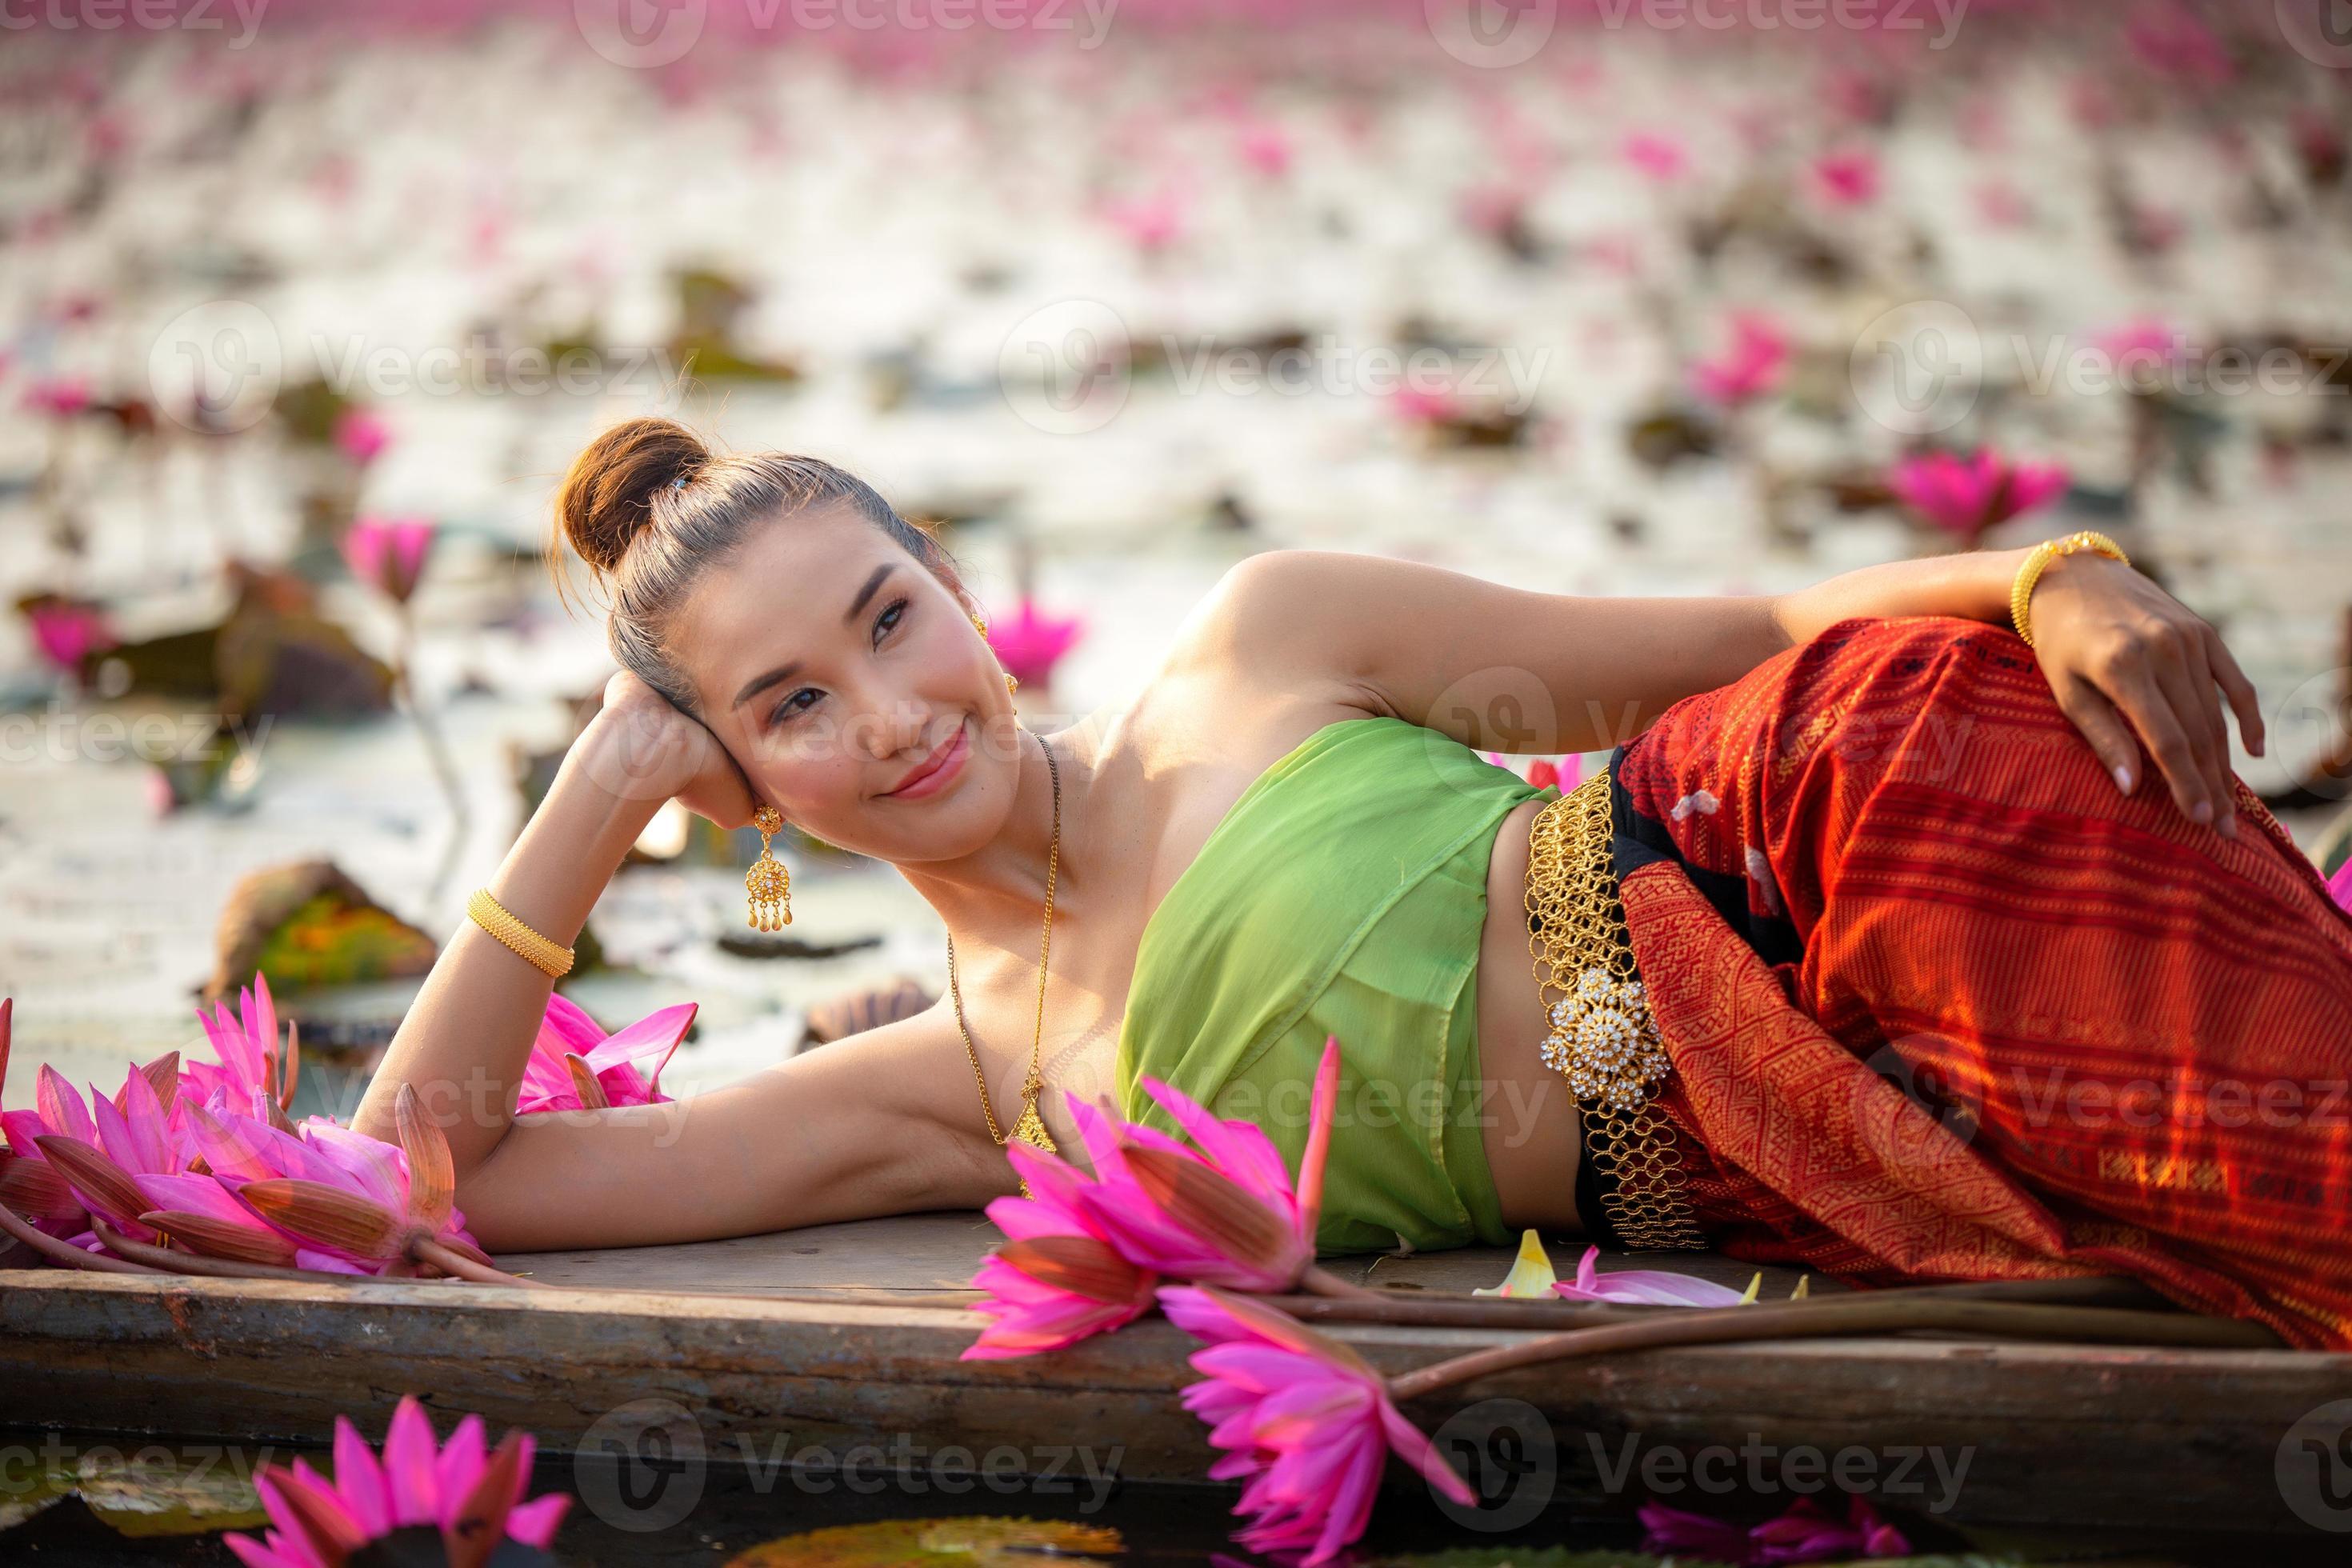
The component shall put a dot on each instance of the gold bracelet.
(495, 918)
(2021, 589)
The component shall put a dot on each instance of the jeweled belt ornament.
(1603, 1038)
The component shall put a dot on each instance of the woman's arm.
(1512, 670)
(842, 1133)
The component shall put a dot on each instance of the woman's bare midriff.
(1531, 1130)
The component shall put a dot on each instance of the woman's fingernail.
(2203, 811)
(2123, 778)
(2230, 825)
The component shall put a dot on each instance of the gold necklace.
(1031, 1127)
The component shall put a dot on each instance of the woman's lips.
(942, 768)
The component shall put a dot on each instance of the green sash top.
(1344, 894)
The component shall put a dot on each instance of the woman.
(1877, 854)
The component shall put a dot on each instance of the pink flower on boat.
(361, 435)
(1652, 1286)
(1303, 1421)
(1749, 366)
(1849, 179)
(471, 1494)
(1223, 1213)
(1973, 494)
(1807, 1532)
(254, 1071)
(1659, 158)
(1032, 643)
(575, 1065)
(1058, 1278)
(365, 1201)
(101, 1146)
(29, 1186)
(388, 553)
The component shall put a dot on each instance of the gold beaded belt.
(1603, 1038)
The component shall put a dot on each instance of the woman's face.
(832, 666)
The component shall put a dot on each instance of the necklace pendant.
(1031, 1129)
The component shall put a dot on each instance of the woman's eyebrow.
(783, 672)
(867, 592)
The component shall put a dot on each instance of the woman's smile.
(938, 771)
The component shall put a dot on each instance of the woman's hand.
(2127, 658)
(643, 747)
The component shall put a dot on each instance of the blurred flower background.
(303, 310)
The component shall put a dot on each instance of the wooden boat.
(850, 1334)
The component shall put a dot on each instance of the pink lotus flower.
(388, 553)
(1058, 1278)
(1849, 179)
(361, 435)
(2142, 351)
(1807, 1532)
(58, 397)
(1265, 148)
(28, 1186)
(472, 1497)
(1545, 773)
(1224, 1213)
(2339, 887)
(1653, 1287)
(99, 1147)
(575, 1065)
(1151, 223)
(367, 1202)
(1302, 1418)
(1425, 404)
(1969, 496)
(2174, 42)
(1749, 367)
(1660, 158)
(67, 632)
(254, 1071)
(1032, 643)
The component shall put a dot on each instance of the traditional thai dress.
(1940, 1001)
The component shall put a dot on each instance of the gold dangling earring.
(1011, 681)
(768, 881)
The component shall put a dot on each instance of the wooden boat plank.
(940, 1251)
(2054, 1434)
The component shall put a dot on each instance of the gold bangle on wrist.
(495, 918)
(2021, 589)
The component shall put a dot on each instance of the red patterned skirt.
(1944, 1003)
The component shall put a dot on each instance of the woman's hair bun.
(608, 495)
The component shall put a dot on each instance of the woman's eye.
(888, 620)
(787, 708)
